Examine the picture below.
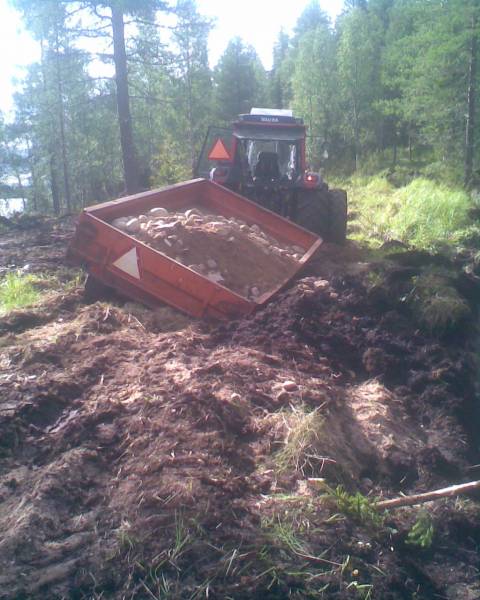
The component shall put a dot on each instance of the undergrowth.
(21, 290)
(357, 506)
(17, 291)
(423, 213)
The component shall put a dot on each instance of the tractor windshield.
(270, 159)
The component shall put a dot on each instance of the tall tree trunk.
(51, 146)
(130, 164)
(61, 112)
(471, 104)
(54, 184)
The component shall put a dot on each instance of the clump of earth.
(243, 258)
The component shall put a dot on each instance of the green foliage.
(422, 532)
(424, 214)
(240, 81)
(17, 291)
(357, 506)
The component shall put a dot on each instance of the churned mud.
(143, 455)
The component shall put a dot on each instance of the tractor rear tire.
(337, 229)
(312, 212)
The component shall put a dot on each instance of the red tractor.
(262, 157)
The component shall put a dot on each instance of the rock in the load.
(159, 212)
(142, 219)
(211, 263)
(297, 256)
(298, 250)
(120, 222)
(290, 386)
(192, 212)
(216, 277)
(133, 226)
(255, 229)
(255, 292)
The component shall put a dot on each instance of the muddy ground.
(144, 455)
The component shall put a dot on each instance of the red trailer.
(142, 273)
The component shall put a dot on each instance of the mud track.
(140, 463)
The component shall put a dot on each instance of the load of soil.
(240, 257)
(144, 464)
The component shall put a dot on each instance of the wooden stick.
(453, 490)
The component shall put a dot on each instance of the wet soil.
(140, 461)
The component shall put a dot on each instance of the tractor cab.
(262, 156)
(265, 147)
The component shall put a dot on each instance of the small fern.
(421, 534)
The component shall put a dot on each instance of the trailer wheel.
(312, 212)
(338, 217)
(95, 290)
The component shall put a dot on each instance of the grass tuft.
(17, 291)
(299, 452)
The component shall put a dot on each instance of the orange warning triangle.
(219, 152)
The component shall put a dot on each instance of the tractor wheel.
(338, 217)
(312, 212)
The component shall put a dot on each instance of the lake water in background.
(10, 206)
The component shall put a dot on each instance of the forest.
(123, 94)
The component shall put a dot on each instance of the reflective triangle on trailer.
(219, 151)
(128, 263)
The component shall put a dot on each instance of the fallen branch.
(453, 490)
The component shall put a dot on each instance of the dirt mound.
(139, 463)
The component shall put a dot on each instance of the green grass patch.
(424, 214)
(20, 290)
(17, 291)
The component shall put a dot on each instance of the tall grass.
(424, 214)
(17, 291)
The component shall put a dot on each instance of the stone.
(133, 225)
(211, 263)
(120, 222)
(159, 212)
(290, 386)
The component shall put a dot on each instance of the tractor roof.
(270, 116)
(269, 124)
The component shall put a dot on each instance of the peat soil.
(139, 450)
